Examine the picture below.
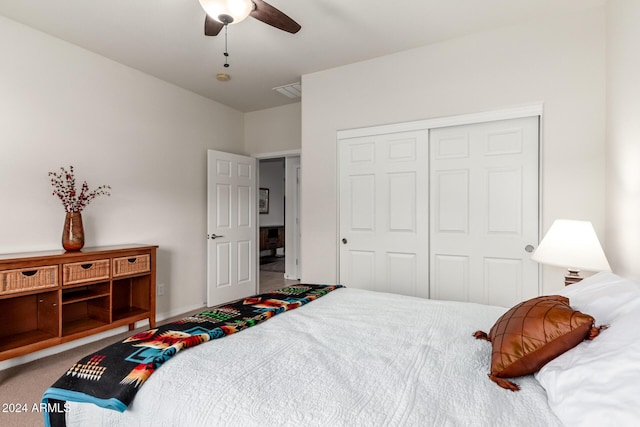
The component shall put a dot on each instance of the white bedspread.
(350, 358)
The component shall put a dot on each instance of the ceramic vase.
(73, 232)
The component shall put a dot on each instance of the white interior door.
(484, 211)
(292, 218)
(231, 228)
(384, 213)
(298, 230)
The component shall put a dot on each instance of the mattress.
(351, 358)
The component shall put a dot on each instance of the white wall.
(557, 61)
(622, 242)
(61, 105)
(273, 130)
(272, 174)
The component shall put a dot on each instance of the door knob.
(344, 241)
(528, 248)
(213, 236)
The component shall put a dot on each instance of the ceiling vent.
(293, 90)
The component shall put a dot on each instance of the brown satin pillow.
(531, 334)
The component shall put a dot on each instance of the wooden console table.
(48, 298)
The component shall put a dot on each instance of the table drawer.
(131, 265)
(27, 279)
(86, 271)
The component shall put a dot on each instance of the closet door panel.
(484, 208)
(384, 213)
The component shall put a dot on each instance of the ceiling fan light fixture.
(221, 10)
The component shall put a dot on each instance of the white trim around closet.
(463, 119)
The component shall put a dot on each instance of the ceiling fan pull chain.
(226, 53)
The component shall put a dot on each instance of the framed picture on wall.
(263, 201)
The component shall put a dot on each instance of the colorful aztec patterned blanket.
(111, 377)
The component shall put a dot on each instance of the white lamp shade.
(572, 244)
(237, 9)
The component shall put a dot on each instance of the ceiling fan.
(223, 12)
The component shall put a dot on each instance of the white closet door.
(384, 213)
(484, 211)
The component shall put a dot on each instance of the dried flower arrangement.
(64, 187)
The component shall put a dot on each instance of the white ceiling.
(165, 38)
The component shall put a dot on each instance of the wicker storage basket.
(131, 265)
(28, 279)
(80, 272)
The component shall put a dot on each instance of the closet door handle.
(528, 248)
(213, 236)
(344, 241)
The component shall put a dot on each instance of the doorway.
(278, 221)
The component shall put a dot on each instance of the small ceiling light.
(293, 90)
(227, 11)
(223, 77)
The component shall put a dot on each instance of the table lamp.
(574, 245)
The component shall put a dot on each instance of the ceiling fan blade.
(211, 26)
(270, 15)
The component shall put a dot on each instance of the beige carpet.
(21, 387)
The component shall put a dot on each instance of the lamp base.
(573, 276)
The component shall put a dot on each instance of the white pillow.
(597, 383)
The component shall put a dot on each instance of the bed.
(363, 358)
